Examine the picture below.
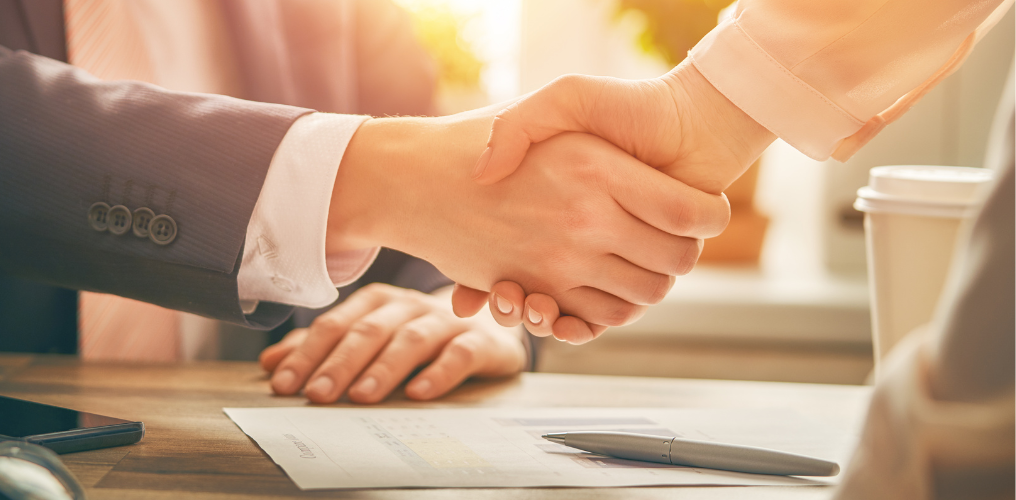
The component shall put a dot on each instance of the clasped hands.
(588, 197)
(678, 124)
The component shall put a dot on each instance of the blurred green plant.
(439, 28)
(672, 27)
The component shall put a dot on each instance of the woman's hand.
(373, 341)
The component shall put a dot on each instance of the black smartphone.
(64, 430)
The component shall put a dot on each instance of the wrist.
(741, 139)
(394, 174)
(352, 217)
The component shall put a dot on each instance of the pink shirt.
(827, 76)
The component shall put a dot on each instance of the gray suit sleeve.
(68, 140)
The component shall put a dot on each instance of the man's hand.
(679, 124)
(373, 341)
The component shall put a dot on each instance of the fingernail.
(422, 388)
(481, 164)
(535, 317)
(502, 304)
(284, 381)
(321, 387)
(559, 339)
(367, 386)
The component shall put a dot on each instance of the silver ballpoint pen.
(687, 452)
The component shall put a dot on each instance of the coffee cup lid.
(929, 190)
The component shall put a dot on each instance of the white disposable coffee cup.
(912, 216)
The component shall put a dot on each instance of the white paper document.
(501, 447)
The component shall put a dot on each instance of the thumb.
(560, 106)
(467, 301)
(506, 147)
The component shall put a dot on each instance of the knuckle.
(621, 313)
(659, 286)
(298, 360)
(413, 336)
(689, 258)
(378, 289)
(464, 350)
(686, 218)
(368, 329)
(336, 367)
(566, 83)
(382, 371)
(327, 323)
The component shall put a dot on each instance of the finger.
(629, 282)
(506, 303)
(275, 353)
(466, 302)
(366, 337)
(572, 330)
(598, 307)
(541, 311)
(412, 344)
(324, 333)
(575, 331)
(471, 353)
(559, 106)
(666, 203)
(652, 249)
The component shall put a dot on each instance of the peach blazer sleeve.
(826, 76)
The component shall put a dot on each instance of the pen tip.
(557, 437)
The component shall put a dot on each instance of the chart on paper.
(421, 444)
(486, 447)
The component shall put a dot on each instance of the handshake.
(588, 197)
(570, 209)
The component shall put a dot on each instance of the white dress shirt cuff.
(770, 93)
(284, 253)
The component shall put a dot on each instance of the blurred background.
(782, 294)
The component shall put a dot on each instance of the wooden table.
(192, 450)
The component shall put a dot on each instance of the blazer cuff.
(770, 93)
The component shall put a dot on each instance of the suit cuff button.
(119, 220)
(142, 219)
(98, 216)
(162, 230)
